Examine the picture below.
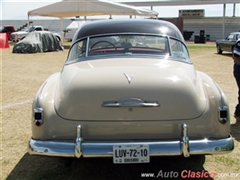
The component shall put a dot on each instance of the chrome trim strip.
(156, 148)
(170, 47)
(130, 102)
(87, 47)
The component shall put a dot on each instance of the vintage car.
(228, 43)
(128, 90)
(38, 41)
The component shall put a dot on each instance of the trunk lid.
(129, 89)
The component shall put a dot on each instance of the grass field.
(22, 75)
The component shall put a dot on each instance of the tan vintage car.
(128, 90)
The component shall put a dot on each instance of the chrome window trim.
(87, 46)
(128, 56)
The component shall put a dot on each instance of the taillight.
(223, 114)
(38, 116)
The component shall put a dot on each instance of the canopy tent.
(75, 24)
(71, 8)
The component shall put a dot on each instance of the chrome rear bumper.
(80, 148)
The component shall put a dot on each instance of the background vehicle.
(228, 43)
(19, 35)
(38, 41)
(7, 29)
(129, 90)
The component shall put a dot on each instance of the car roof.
(146, 26)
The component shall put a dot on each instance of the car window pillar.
(87, 46)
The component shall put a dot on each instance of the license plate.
(131, 154)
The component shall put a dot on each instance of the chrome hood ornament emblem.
(129, 78)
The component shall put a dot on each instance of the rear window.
(127, 44)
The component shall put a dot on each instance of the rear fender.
(216, 98)
(44, 99)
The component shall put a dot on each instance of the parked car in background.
(38, 41)
(20, 35)
(228, 43)
(128, 90)
(7, 29)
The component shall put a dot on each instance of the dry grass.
(22, 74)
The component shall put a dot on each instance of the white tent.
(71, 8)
(75, 24)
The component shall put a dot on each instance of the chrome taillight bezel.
(223, 114)
(38, 116)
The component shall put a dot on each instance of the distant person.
(236, 73)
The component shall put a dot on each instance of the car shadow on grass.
(51, 168)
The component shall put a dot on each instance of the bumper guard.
(80, 148)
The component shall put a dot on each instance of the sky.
(17, 9)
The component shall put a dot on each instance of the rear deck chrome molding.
(130, 102)
(83, 148)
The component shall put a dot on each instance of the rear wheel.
(219, 50)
